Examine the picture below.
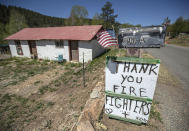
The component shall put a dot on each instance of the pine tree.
(108, 15)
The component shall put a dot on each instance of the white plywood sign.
(130, 85)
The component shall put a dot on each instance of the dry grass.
(58, 101)
(15, 70)
(17, 111)
(180, 40)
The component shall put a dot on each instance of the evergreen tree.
(108, 15)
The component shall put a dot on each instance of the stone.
(94, 94)
(44, 123)
(94, 108)
(85, 126)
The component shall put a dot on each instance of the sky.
(144, 12)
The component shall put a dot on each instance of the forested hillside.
(13, 19)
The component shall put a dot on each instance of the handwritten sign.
(151, 36)
(129, 86)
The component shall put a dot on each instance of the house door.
(74, 53)
(33, 49)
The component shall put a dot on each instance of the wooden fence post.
(83, 71)
(133, 52)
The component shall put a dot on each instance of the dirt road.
(173, 98)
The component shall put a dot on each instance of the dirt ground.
(49, 97)
(52, 96)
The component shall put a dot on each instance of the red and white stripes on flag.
(105, 39)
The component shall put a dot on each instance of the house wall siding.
(12, 47)
(86, 48)
(47, 49)
(97, 48)
(91, 50)
(25, 48)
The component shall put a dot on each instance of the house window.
(18, 48)
(59, 43)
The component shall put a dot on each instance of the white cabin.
(50, 42)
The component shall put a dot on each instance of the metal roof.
(86, 32)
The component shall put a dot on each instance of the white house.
(50, 42)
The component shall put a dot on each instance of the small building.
(51, 42)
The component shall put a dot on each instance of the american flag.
(106, 38)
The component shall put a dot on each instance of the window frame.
(59, 43)
(18, 47)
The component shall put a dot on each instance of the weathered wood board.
(129, 86)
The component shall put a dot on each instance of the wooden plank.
(133, 52)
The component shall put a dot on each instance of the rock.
(61, 109)
(94, 108)
(44, 123)
(85, 126)
(95, 104)
(94, 94)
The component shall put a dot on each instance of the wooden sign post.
(129, 86)
(133, 52)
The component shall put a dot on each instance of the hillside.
(13, 19)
